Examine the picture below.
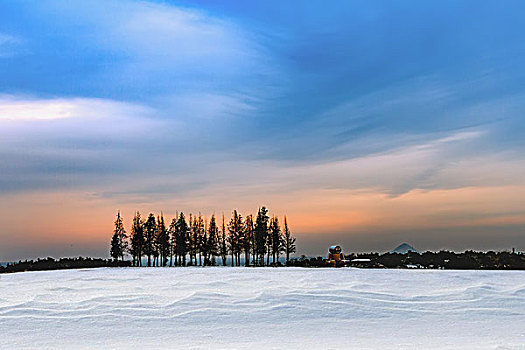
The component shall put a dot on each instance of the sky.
(367, 123)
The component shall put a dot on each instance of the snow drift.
(277, 308)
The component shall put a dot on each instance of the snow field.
(270, 308)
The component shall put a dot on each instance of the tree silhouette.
(289, 242)
(198, 234)
(119, 239)
(172, 236)
(181, 232)
(163, 241)
(235, 237)
(249, 236)
(253, 240)
(137, 240)
(223, 245)
(276, 241)
(150, 228)
(213, 240)
(192, 240)
(204, 245)
(261, 233)
(115, 250)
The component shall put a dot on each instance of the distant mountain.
(404, 248)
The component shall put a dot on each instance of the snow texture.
(271, 308)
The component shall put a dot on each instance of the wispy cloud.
(8, 45)
(16, 108)
(155, 49)
(5, 39)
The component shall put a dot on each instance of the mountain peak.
(404, 248)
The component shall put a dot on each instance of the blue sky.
(168, 105)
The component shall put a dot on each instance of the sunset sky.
(368, 123)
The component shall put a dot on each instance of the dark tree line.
(61, 264)
(468, 260)
(194, 241)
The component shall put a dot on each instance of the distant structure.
(336, 258)
(361, 262)
(405, 248)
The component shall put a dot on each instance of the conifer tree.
(261, 233)
(163, 241)
(289, 242)
(231, 241)
(137, 239)
(156, 244)
(256, 240)
(269, 244)
(223, 243)
(114, 251)
(191, 239)
(119, 239)
(181, 232)
(248, 239)
(172, 236)
(150, 228)
(276, 239)
(241, 239)
(199, 238)
(235, 237)
(204, 245)
(212, 242)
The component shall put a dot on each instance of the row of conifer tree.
(258, 241)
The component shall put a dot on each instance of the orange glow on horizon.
(53, 216)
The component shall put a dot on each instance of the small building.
(363, 263)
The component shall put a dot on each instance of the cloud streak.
(26, 109)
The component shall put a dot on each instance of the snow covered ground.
(241, 308)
